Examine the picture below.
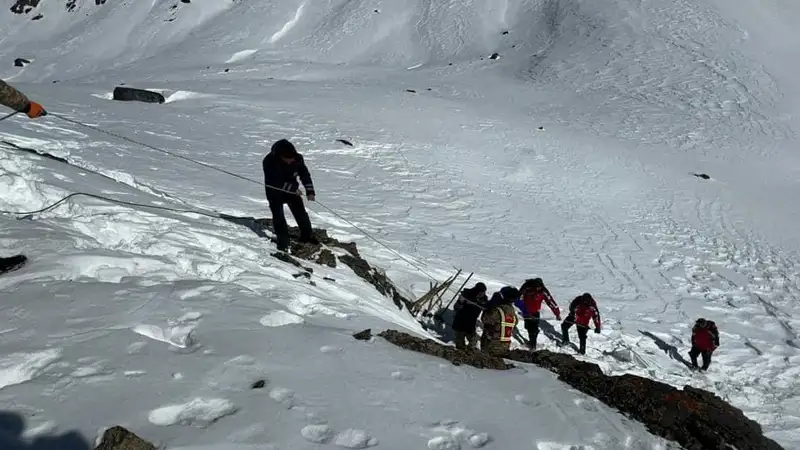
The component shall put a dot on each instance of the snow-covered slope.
(568, 157)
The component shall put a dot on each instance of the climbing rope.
(110, 200)
(8, 116)
(212, 167)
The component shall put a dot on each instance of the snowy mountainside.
(569, 157)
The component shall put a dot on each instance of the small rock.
(411, 90)
(345, 142)
(38, 17)
(186, 1)
(227, 70)
(702, 175)
(258, 384)
(495, 56)
(118, 438)
(505, 32)
(364, 335)
(540, 128)
(327, 258)
(20, 62)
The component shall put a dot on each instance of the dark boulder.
(364, 335)
(21, 62)
(24, 6)
(694, 418)
(127, 94)
(118, 438)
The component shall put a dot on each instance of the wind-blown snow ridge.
(567, 158)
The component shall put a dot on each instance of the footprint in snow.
(178, 333)
(558, 446)
(280, 318)
(236, 375)
(351, 438)
(402, 376)
(451, 435)
(330, 349)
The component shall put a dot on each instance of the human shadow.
(12, 427)
(670, 350)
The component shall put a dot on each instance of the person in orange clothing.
(16, 100)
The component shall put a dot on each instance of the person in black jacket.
(282, 167)
(468, 307)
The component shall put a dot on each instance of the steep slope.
(631, 98)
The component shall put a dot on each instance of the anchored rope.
(8, 116)
(108, 199)
(212, 167)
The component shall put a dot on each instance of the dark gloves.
(597, 330)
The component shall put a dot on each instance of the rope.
(111, 200)
(8, 116)
(209, 166)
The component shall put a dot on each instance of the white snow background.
(568, 157)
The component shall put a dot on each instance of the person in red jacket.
(705, 339)
(532, 294)
(582, 310)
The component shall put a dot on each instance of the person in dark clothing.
(705, 339)
(532, 294)
(468, 307)
(582, 310)
(283, 165)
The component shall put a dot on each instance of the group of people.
(499, 319)
(284, 171)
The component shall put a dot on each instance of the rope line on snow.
(8, 116)
(108, 199)
(212, 167)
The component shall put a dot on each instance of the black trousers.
(298, 209)
(532, 325)
(695, 352)
(582, 333)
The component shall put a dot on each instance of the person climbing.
(468, 307)
(16, 100)
(705, 339)
(282, 166)
(499, 321)
(582, 310)
(532, 293)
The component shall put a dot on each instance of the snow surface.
(570, 158)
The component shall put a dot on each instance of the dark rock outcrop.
(118, 438)
(127, 94)
(694, 418)
(20, 62)
(24, 6)
(473, 358)
(258, 384)
(321, 255)
(364, 335)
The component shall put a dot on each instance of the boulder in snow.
(139, 95)
(21, 62)
(118, 438)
